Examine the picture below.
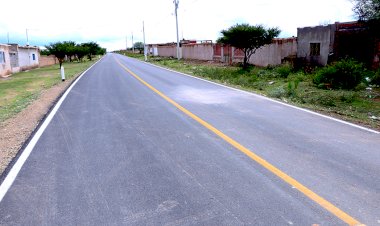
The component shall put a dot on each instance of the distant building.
(15, 58)
(28, 57)
(5, 64)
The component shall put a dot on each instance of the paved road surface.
(117, 153)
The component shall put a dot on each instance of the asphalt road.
(118, 153)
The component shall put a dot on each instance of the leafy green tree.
(59, 50)
(70, 49)
(139, 46)
(81, 51)
(248, 38)
(102, 51)
(45, 52)
(93, 48)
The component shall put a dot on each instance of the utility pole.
(27, 37)
(126, 43)
(176, 23)
(145, 52)
(133, 46)
(27, 44)
(8, 37)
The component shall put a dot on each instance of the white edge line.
(11, 176)
(267, 98)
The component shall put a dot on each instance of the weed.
(344, 74)
(284, 70)
(277, 92)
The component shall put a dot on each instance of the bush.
(284, 70)
(277, 92)
(375, 80)
(292, 88)
(344, 74)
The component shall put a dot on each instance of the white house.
(28, 57)
(5, 64)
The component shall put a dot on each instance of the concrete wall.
(25, 55)
(47, 61)
(202, 51)
(167, 51)
(5, 67)
(320, 34)
(274, 53)
(13, 54)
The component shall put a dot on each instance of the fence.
(47, 61)
(272, 54)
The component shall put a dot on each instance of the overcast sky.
(109, 22)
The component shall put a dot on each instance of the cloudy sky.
(111, 23)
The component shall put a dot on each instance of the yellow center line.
(288, 179)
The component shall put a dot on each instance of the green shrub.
(375, 80)
(277, 92)
(284, 70)
(292, 88)
(344, 74)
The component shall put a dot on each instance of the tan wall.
(167, 51)
(5, 68)
(203, 51)
(47, 60)
(274, 53)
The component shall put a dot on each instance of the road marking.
(288, 179)
(11, 176)
(269, 99)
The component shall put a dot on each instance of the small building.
(315, 44)
(322, 44)
(5, 64)
(28, 57)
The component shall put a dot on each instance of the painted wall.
(47, 61)
(319, 34)
(274, 53)
(5, 67)
(26, 60)
(202, 51)
(167, 51)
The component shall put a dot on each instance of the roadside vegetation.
(344, 89)
(21, 89)
(73, 51)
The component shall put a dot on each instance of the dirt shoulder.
(16, 130)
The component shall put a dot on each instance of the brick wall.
(47, 60)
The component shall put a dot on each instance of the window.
(315, 49)
(2, 57)
(34, 56)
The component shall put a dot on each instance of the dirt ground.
(15, 131)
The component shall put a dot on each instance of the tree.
(93, 48)
(367, 9)
(81, 51)
(70, 49)
(102, 51)
(139, 46)
(44, 52)
(58, 49)
(248, 38)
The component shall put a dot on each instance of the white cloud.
(110, 22)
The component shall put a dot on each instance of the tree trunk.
(60, 62)
(245, 62)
